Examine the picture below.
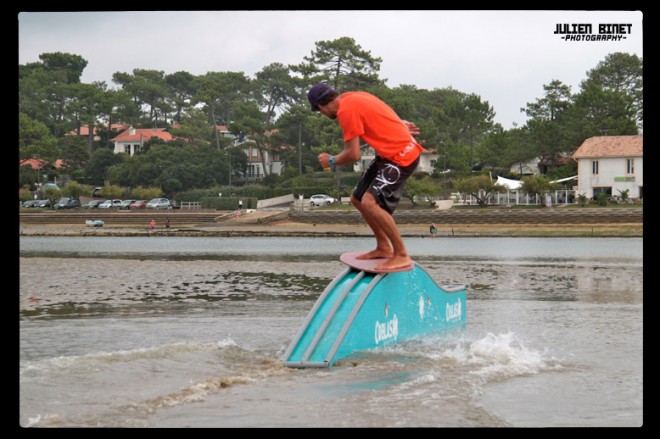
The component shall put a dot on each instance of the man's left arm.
(412, 128)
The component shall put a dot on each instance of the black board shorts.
(384, 180)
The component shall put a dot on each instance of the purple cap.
(317, 93)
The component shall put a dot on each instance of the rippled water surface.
(190, 332)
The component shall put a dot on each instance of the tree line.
(271, 110)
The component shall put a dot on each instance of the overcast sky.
(504, 56)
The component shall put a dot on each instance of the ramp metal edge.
(330, 315)
(305, 364)
(312, 312)
(351, 317)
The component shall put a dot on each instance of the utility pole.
(229, 155)
(300, 148)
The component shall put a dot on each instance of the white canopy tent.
(515, 197)
(511, 185)
(561, 180)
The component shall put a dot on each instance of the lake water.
(190, 332)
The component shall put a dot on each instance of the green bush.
(582, 200)
(601, 199)
(141, 193)
(258, 191)
(25, 194)
(228, 203)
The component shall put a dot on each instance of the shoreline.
(288, 228)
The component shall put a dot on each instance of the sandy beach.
(245, 227)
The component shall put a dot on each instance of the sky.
(505, 57)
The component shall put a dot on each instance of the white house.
(131, 140)
(255, 165)
(255, 161)
(427, 160)
(611, 165)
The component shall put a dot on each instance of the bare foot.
(395, 262)
(375, 254)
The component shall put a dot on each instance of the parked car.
(30, 203)
(159, 203)
(174, 204)
(321, 200)
(107, 204)
(67, 203)
(126, 204)
(139, 204)
(51, 186)
(43, 203)
(94, 204)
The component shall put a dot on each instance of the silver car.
(321, 200)
(159, 203)
(107, 204)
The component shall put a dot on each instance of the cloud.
(504, 56)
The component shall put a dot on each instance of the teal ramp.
(360, 310)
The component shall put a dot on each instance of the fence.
(562, 196)
(191, 205)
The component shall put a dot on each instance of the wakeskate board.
(369, 265)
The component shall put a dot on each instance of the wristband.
(332, 161)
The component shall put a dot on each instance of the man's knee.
(369, 202)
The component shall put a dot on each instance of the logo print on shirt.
(408, 148)
(389, 175)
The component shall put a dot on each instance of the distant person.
(152, 226)
(240, 204)
(365, 118)
(167, 223)
(432, 230)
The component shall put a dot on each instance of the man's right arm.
(350, 154)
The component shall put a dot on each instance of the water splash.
(498, 356)
(494, 356)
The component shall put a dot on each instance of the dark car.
(67, 203)
(94, 204)
(43, 203)
(174, 204)
(126, 204)
(30, 203)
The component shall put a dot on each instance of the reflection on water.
(301, 249)
(189, 332)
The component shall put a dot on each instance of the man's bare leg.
(382, 223)
(383, 246)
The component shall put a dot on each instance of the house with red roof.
(611, 165)
(132, 139)
(84, 130)
(39, 164)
